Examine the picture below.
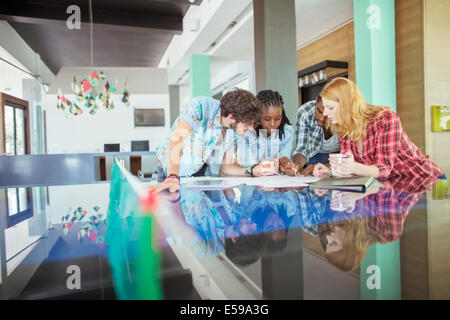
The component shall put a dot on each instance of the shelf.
(345, 75)
(323, 65)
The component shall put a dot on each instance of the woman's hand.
(265, 168)
(344, 201)
(347, 166)
(321, 170)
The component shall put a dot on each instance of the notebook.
(357, 184)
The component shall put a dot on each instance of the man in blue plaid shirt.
(314, 140)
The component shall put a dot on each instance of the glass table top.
(247, 242)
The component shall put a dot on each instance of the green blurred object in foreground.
(134, 261)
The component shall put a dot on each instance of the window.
(15, 133)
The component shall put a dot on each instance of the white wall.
(66, 199)
(232, 73)
(67, 133)
(11, 79)
(87, 133)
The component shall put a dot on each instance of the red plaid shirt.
(387, 146)
(389, 208)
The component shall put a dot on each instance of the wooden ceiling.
(132, 33)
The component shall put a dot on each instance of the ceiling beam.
(185, 2)
(51, 14)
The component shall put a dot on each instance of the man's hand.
(299, 160)
(287, 167)
(309, 170)
(170, 185)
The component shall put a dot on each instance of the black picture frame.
(143, 145)
(154, 117)
(111, 147)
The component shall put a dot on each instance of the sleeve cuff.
(383, 171)
(188, 119)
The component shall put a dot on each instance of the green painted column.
(380, 272)
(374, 22)
(199, 72)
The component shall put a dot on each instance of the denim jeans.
(319, 157)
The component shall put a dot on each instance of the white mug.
(336, 171)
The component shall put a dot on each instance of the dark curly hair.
(271, 98)
(242, 105)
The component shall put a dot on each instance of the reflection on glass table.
(344, 224)
(245, 243)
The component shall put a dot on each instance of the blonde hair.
(356, 238)
(354, 112)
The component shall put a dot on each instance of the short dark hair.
(242, 105)
(270, 98)
(247, 250)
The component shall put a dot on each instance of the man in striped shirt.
(314, 140)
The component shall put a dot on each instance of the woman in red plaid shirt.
(371, 137)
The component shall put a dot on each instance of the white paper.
(281, 181)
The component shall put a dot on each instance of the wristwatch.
(248, 172)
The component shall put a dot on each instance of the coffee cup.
(336, 171)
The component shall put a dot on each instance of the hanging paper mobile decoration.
(91, 229)
(126, 96)
(92, 95)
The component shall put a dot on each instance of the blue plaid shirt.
(311, 209)
(308, 133)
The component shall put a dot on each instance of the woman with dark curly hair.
(270, 142)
